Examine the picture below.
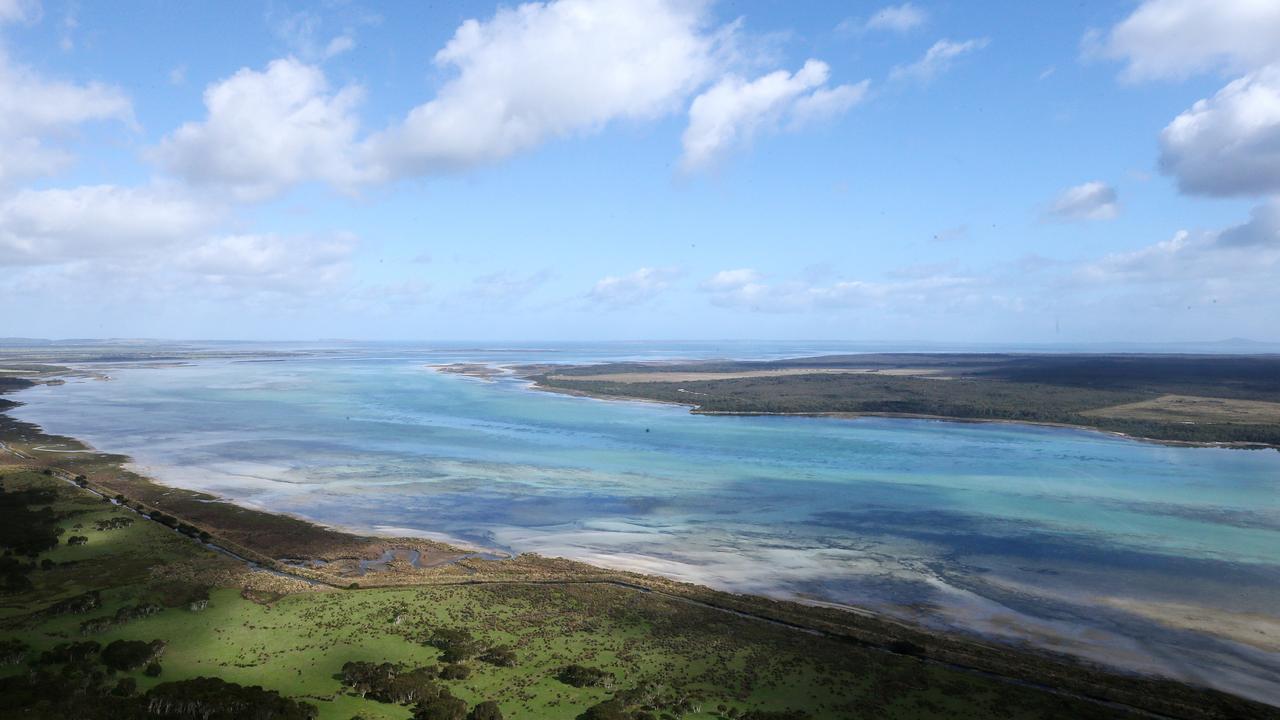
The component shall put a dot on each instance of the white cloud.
(54, 226)
(1235, 266)
(733, 111)
(1261, 231)
(321, 33)
(1094, 200)
(266, 131)
(633, 288)
(114, 238)
(523, 77)
(34, 109)
(542, 71)
(731, 279)
(269, 262)
(1228, 144)
(826, 103)
(1176, 38)
(19, 11)
(747, 289)
(339, 45)
(936, 60)
(897, 18)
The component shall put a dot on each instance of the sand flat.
(694, 376)
(1260, 631)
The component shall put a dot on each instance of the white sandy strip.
(694, 376)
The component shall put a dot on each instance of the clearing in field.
(1192, 409)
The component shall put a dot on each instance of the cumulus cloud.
(267, 130)
(34, 109)
(1228, 144)
(633, 288)
(523, 77)
(733, 111)
(51, 226)
(937, 60)
(1094, 200)
(542, 71)
(1176, 38)
(897, 18)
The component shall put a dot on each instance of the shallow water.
(1029, 534)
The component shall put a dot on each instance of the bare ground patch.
(1194, 409)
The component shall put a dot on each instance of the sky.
(935, 170)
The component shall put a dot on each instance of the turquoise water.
(1071, 540)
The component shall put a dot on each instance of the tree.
(607, 710)
(456, 645)
(206, 698)
(130, 654)
(455, 671)
(500, 655)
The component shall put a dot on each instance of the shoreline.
(1068, 674)
(695, 409)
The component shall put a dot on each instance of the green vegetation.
(1059, 389)
(530, 650)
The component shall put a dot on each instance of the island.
(1231, 400)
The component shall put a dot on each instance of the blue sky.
(632, 169)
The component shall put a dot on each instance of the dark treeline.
(79, 690)
(29, 526)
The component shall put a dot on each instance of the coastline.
(339, 549)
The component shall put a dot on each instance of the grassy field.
(253, 634)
